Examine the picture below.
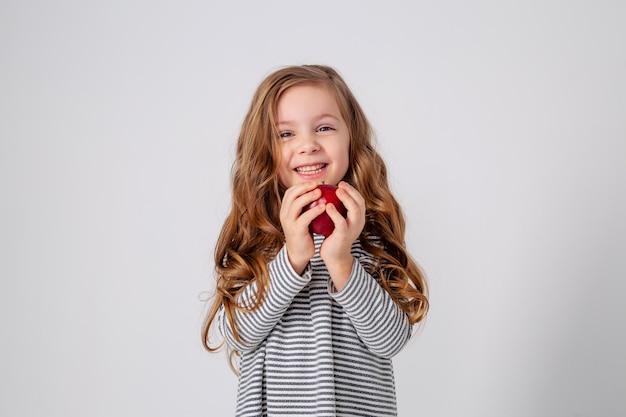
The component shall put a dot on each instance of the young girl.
(314, 321)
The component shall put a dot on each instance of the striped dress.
(310, 350)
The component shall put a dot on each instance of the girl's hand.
(336, 248)
(299, 242)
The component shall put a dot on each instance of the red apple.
(323, 224)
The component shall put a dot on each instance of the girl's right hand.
(295, 223)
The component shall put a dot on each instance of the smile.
(310, 169)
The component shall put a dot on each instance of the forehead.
(308, 100)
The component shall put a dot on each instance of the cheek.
(284, 169)
(342, 159)
(285, 157)
(344, 152)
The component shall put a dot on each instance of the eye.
(285, 135)
(325, 129)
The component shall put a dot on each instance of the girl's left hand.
(336, 248)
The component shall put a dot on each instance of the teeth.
(310, 169)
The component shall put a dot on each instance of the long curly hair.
(251, 235)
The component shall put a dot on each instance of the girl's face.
(315, 141)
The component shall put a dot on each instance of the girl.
(314, 321)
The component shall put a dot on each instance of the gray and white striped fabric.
(312, 351)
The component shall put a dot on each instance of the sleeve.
(254, 326)
(379, 322)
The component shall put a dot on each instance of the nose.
(308, 144)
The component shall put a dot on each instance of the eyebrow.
(316, 118)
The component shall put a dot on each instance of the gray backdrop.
(503, 126)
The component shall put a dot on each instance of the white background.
(503, 124)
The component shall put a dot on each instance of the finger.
(355, 205)
(297, 197)
(335, 216)
(308, 216)
(297, 190)
(350, 198)
(299, 222)
(352, 192)
(303, 203)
